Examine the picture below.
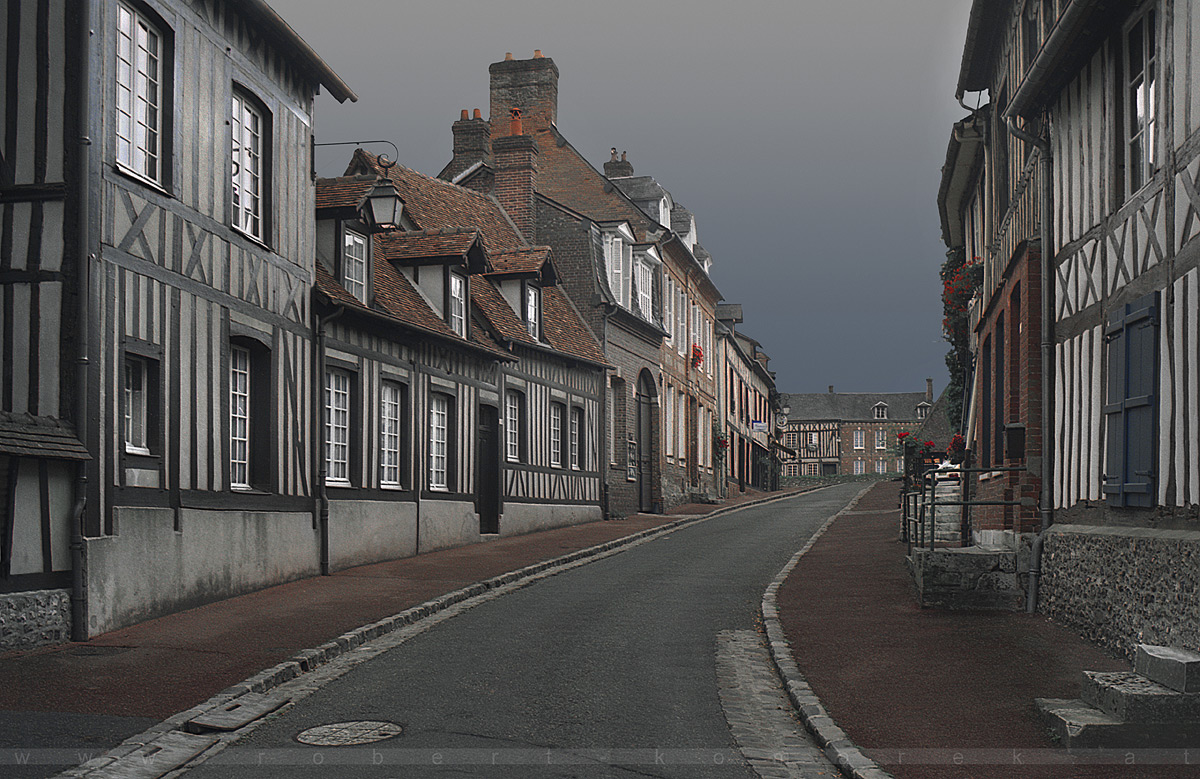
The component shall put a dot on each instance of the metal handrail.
(914, 523)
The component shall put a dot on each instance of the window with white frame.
(533, 311)
(614, 258)
(814, 439)
(576, 438)
(669, 307)
(881, 439)
(899, 465)
(810, 469)
(337, 427)
(239, 417)
(139, 108)
(858, 439)
(881, 411)
(645, 285)
(556, 435)
(696, 338)
(669, 421)
(137, 402)
(791, 469)
(458, 304)
(860, 467)
(514, 403)
(249, 138)
(681, 427)
(1140, 101)
(354, 265)
(681, 344)
(922, 411)
(439, 441)
(880, 466)
(391, 405)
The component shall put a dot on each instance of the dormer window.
(922, 411)
(457, 307)
(645, 288)
(354, 265)
(618, 262)
(533, 311)
(881, 411)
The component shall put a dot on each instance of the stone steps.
(1155, 706)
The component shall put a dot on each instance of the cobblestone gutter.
(1121, 586)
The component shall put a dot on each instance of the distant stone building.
(851, 433)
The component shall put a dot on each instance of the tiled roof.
(344, 191)
(640, 187)
(521, 260)
(489, 302)
(435, 204)
(681, 219)
(401, 245)
(937, 426)
(565, 329)
(852, 406)
(566, 177)
(24, 435)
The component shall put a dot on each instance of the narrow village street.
(629, 666)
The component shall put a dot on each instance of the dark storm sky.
(806, 137)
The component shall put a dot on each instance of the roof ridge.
(432, 179)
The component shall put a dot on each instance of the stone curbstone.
(308, 660)
(851, 761)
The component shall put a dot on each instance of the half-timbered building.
(506, 410)
(852, 433)
(157, 261)
(750, 408)
(1097, 108)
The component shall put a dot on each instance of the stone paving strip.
(844, 754)
(760, 716)
(161, 752)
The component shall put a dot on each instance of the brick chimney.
(615, 169)
(515, 159)
(471, 142)
(929, 390)
(531, 85)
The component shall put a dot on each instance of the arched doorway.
(644, 439)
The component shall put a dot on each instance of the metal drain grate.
(345, 734)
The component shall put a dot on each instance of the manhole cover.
(344, 734)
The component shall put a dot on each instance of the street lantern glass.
(385, 203)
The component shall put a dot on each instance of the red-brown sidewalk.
(166, 665)
(899, 679)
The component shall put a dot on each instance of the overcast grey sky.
(806, 137)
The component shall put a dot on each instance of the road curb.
(308, 660)
(849, 759)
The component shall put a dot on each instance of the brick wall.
(1013, 396)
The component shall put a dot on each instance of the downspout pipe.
(1046, 170)
(83, 235)
(606, 492)
(416, 467)
(322, 465)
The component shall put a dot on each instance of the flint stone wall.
(33, 619)
(1121, 587)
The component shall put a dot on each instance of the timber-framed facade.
(1107, 117)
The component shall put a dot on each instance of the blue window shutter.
(1131, 411)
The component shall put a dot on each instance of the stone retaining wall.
(36, 618)
(1121, 586)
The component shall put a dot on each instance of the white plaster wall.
(447, 523)
(370, 531)
(149, 569)
(520, 518)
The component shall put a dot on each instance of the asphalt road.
(609, 669)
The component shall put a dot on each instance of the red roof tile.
(344, 191)
(565, 329)
(528, 260)
(488, 301)
(433, 203)
(398, 245)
